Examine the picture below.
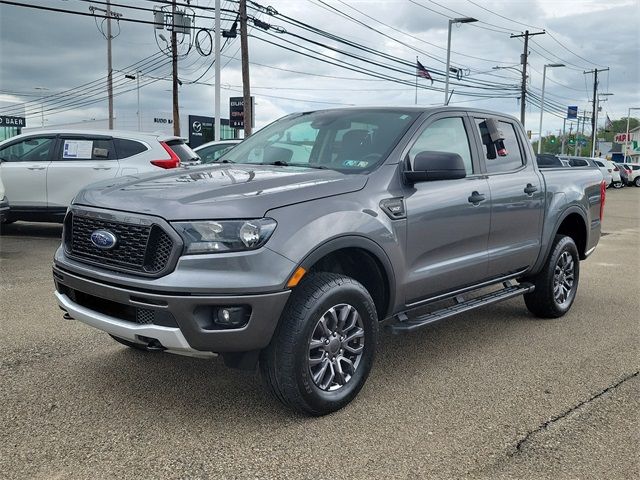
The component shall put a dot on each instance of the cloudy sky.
(43, 53)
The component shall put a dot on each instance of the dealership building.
(198, 129)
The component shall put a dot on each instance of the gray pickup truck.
(306, 239)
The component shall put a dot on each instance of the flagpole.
(416, 80)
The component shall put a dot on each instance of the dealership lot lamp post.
(446, 82)
(136, 77)
(46, 89)
(544, 76)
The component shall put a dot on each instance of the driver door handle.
(476, 198)
(102, 168)
(36, 168)
(530, 189)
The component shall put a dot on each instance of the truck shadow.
(29, 229)
(190, 389)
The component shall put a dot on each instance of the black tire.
(618, 185)
(636, 181)
(285, 364)
(129, 344)
(545, 301)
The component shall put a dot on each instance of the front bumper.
(185, 327)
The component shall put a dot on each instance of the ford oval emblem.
(104, 239)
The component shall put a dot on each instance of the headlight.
(211, 236)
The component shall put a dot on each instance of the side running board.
(406, 324)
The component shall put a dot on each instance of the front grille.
(139, 248)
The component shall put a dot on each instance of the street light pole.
(446, 82)
(544, 77)
(46, 89)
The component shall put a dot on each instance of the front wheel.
(324, 347)
(556, 285)
(618, 185)
(636, 181)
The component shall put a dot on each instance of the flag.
(608, 125)
(421, 71)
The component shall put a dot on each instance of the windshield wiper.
(317, 165)
(278, 163)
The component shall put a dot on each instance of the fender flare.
(561, 218)
(355, 241)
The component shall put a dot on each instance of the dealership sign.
(622, 138)
(236, 112)
(8, 121)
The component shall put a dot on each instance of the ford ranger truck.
(302, 243)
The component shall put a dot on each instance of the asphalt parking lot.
(493, 394)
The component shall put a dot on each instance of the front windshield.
(344, 140)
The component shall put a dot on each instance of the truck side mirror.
(429, 166)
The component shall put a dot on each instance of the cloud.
(59, 51)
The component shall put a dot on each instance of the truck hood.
(217, 191)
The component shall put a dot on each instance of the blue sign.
(572, 111)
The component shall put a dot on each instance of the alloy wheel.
(563, 279)
(336, 347)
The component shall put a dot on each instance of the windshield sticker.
(355, 164)
(77, 149)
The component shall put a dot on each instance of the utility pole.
(594, 114)
(523, 60)
(244, 52)
(218, 34)
(174, 70)
(109, 14)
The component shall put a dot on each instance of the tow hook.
(155, 346)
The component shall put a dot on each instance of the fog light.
(232, 317)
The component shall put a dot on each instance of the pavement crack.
(564, 414)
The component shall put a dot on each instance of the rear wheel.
(556, 285)
(636, 181)
(618, 185)
(323, 349)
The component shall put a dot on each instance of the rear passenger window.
(128, 148)
(444, 135)
(578, 162)
(86, 148)
(510, 158)
(600, 164)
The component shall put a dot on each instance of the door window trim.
(473, 116)
(57, 157)
(428, 121)
(52, 150)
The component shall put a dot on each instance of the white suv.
(43, 171)
(608, 165)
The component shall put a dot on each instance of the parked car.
(610, 167)
(4, 204)
(626, 173)
(635, 173)
(44, 170)
(590, 162)
(212, 151)
(548, 160)
(324, 227)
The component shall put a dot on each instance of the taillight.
(616, 169)
(172, 162)
(603, 197)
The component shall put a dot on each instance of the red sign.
(621, 138)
